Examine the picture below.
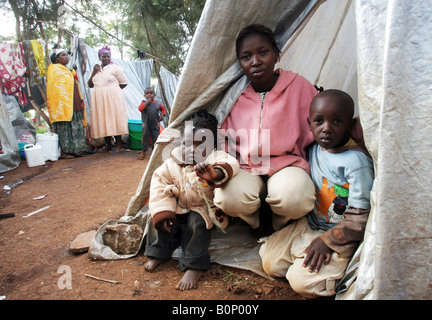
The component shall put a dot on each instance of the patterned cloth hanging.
(33, 71)
(12, 71)
(39, 56)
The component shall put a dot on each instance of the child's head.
(331, 118)
(199, 136)
(149, 93)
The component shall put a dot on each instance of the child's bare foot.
(152, 264)
(189, 279)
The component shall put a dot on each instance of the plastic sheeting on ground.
(236, 247)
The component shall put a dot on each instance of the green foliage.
(41, 129)
(162, 28)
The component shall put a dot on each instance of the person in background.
(152, 112)
(65, 105)
(313, 252)
(108, 106)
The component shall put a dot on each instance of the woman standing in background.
(108, 106)
(65, 105)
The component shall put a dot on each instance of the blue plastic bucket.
(21, 146)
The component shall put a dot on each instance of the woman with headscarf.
(65, 105)
(108, 106)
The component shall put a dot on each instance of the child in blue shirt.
(314, 251)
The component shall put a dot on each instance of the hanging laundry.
(33, 70)
(141, 54)
(12, 72)
(39, 56)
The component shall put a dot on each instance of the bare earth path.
(82, 194)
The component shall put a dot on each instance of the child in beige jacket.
(181, 199)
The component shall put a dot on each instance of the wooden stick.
(110, 281)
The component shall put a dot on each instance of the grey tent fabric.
(394, 54)
(19, 122)
(13, 125)
(139, 75)
(170, 83)
(9, 155)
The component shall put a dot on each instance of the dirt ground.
(82, 194)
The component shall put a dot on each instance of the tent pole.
(37, 107)
(162, 86)
(41, 113)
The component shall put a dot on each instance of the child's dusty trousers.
(150, 135)
(290, 193)
(283, 254)
(191, 233)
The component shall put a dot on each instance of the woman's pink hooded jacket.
(272, 133)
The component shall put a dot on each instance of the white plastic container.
(34, 156)
(49, 143)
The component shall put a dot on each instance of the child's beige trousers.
(283, 254)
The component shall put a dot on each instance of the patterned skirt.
(71, 134)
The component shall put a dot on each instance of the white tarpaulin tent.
(9, 151)
(13, 125)
(378, 51)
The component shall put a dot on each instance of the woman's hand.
(96, 68)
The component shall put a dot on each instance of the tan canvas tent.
(378, 51)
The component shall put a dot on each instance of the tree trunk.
(17, 15)
(157, 70)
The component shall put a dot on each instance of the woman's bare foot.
(189, 279)
(152, 264)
